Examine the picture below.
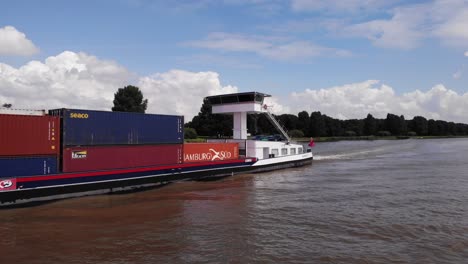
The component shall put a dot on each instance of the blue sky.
(345, 58)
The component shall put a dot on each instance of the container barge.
(67, 153)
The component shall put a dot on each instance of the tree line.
(130, 99)
(317, 124)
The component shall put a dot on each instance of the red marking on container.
(76, 159)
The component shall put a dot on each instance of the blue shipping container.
(27, 166)
(88, 127)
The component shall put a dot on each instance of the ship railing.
(14, 111)
(278, 125)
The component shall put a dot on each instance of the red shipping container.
(29, 135)
(198, 152)
(117, 157)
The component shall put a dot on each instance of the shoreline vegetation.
(344, 138)
(331, 139)
(324, 128)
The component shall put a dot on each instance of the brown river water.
(403, 201)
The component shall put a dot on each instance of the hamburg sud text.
(197, 152)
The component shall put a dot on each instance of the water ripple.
(360, 202)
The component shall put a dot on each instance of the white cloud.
(66, 80)
(300, 50)
(450, 19)
(181, 92)
(337, 5)
(269, 47)
(403, 30)
(466, 53)
(78, 80)
(232, 42)
(358, 99)
(275, 107)
(13, 42)
(396, 24)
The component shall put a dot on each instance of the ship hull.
(38, 189)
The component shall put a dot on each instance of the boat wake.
(349, 155)
(332, 157)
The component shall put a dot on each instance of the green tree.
(303, 122)
(392, 124)
(296, 133)
(432, 129)
(258, 124)
(370, 125)
(462, 129)
(333, 126)
(443, 127)
(356, 125)
(451, 128)
(317, 124)
(396, 124)
(129, 99)
(288, 121)
(190, 133)
(208, 124)
(419, 125)
(384, 133)
(403, 125)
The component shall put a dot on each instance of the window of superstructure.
(284, 151)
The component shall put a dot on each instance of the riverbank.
(344, 138)
(330, 139)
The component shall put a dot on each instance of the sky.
(344, 58)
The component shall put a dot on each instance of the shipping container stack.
(29, 145)
(101, 140)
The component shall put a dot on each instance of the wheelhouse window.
(229, 99)
(237, 98)
(246, 98)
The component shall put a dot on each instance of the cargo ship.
(64, 153)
